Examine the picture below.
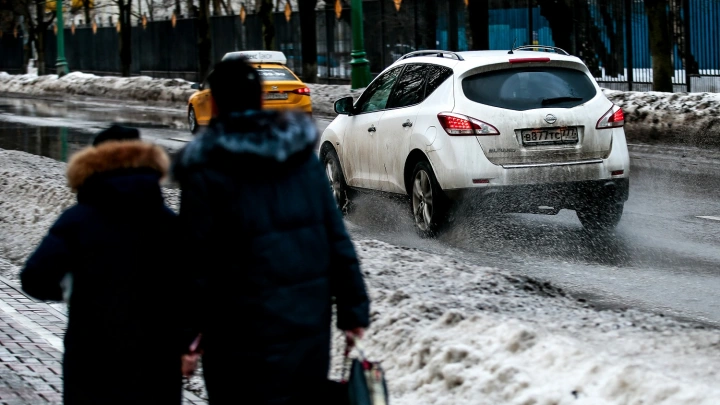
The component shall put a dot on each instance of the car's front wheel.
(428, 201)
(192, 121)
(335, 176)
(602, 215)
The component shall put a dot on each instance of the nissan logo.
(550, 119)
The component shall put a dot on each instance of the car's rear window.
(276, 75)
(529, 88)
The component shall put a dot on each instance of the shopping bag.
(364, 379)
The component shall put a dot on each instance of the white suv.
(517, 131)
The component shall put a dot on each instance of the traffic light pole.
(61, 63)
(360, 72)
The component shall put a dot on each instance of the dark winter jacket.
(122, 344)
(272, 253)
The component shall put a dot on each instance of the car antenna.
(510, 52)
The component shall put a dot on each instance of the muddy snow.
(449, 332)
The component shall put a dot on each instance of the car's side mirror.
(344, 106)
(195, 86)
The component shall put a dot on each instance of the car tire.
(339, 188)
(427, 201)
(601, 216)
(192, 121)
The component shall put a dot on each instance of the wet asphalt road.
(663, 257)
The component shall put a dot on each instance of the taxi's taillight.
(304, 91)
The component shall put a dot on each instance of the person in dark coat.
(113, 253)
(270, 247)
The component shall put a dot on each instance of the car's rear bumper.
(528, 198)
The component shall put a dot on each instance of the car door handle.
(372, 128)
(407, 124)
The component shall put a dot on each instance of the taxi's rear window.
(530, 88)
(276, 75)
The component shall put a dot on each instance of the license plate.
(549, 136)
(275, 96)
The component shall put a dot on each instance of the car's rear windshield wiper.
(556, 100)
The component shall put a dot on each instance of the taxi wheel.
(192, 121)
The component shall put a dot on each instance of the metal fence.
(611, 36)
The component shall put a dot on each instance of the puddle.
(44, 109)
(57, 143)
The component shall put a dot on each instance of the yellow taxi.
(282, 89)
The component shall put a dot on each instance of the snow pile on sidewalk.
(158, 92)
(670, 118)
(449, 332)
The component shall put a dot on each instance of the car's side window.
(375, 98)
(410, 87)
(435, 77)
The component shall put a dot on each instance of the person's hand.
(353, 334)
(190, 364)
(189, 361)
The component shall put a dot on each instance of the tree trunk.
(660, 44)
(429, 35)
(190, 8)
(178, 9)
(309, 40)
(125, 37)
(38, 36)
(560, 17)
(268, 26)
(204, 39)
(479, 16)
(86, 8)
(217, 10)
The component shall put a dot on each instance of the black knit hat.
(117, 133)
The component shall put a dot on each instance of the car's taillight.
(303, 91)
(458, 125)
(614, 118)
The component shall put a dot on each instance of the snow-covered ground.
(651, 117)
(449, 332)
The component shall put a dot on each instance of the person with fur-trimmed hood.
(110, 257)
(269, 246)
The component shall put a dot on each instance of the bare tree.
(660, 44)
(268, 27)
(479, 17)
(125, 16)
(37, 21)
(309, 40)
(204, 39)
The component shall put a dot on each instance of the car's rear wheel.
(192, 121)
(428, 201)
(602, 215)
(335, 176)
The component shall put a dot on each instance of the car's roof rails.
(430, 52)
(539, 47)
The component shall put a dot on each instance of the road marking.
(180, 139)
(710, 218)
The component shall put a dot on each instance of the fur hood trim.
(115, 155)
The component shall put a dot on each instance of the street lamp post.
(360, 73)
(61, 63)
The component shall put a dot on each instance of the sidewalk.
(31, 346)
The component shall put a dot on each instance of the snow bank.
(172, 93)
(449, 332)
(670, 118)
